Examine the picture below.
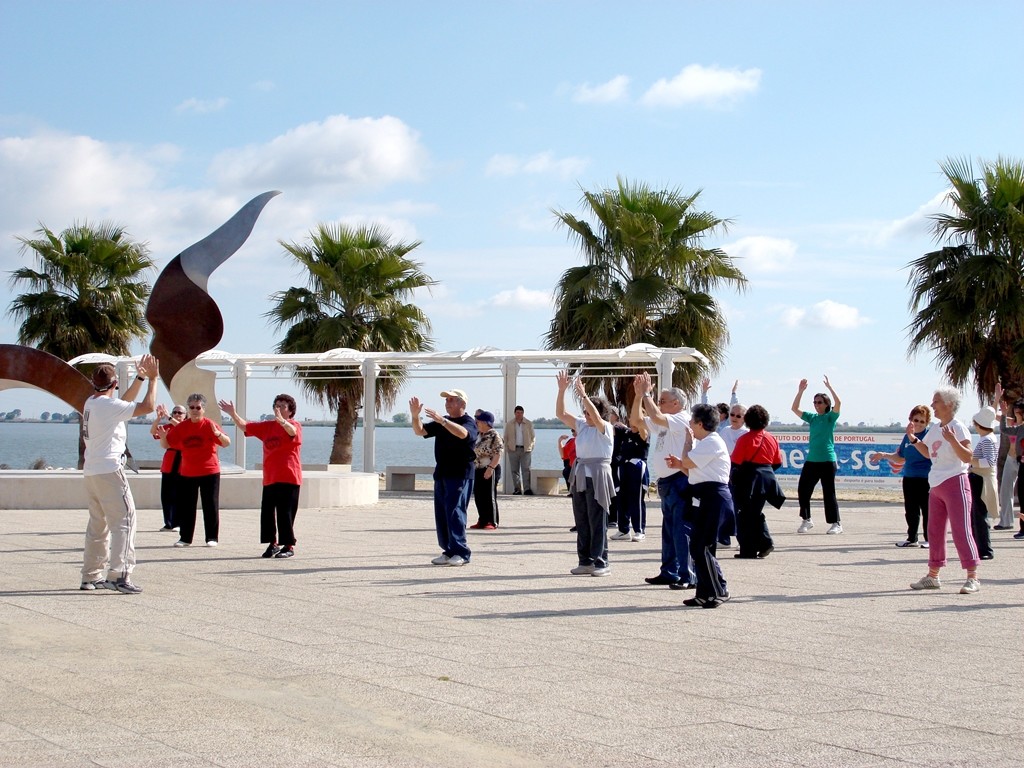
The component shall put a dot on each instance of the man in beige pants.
(110, 536)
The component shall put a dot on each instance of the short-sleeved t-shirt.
(712, 460)
(986, 451)
(282, 462)
(757, 447)
(667, 440)
(105, 433)
(454, 456)
(821, 444)
(915, 465)
(945, 462)
(198, 447)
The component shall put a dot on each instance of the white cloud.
(763, 254)
(616, 89)
(340, 151)
(826, 314)
(918, 223)
(202, 106)
(543, 163)
(711, 86)
(522, 298)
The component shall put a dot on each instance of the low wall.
(65, 489)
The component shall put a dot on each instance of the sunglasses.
(736, 415)
(819, 402)
(919, 421)
(194, 408)
(177, 413)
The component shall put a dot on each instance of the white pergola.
(481, 361)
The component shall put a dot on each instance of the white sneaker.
(211, 543)
(440, 560)
(620, 536)
(805, 526)
(836, 528)
(457, 560)
(180, 543)
(970, 587)
(582, 570)
(927, 582)
(638, 537)
(602, 570)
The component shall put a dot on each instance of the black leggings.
(813, 471)
(208, 488)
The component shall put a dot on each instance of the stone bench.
(401, 478)
(545, 481)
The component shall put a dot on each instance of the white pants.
(1006, 517)
(110, 535)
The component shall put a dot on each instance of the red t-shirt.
(282, 462)
(758, 447)
(198, 447)
(167, 464)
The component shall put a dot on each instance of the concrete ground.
(358, 652)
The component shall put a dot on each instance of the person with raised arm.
(282, 472)
(820, 465)
(109, 557)
(666, 426)
(590, 479)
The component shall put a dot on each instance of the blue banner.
(853, 453)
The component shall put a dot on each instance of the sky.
(816, 129)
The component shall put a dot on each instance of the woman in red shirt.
(198, 439)
(754, 461)
(169, 466)
(282, 472)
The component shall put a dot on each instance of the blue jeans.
(675, 533)
(451, 499)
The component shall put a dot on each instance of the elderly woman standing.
(949, 503)
(821, 457)
(198, 439)
(915, 469)
(707, 465)
(487, 468)
(591, 478)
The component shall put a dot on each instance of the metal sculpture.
(185, 319)
(30, 367)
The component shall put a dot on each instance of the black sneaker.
(694, 602)
(682, 585)
(272, 550)
(661, 579)
(285, 552)
(125, 587)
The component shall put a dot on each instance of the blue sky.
(816, 128)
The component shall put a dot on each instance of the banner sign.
(852, 451)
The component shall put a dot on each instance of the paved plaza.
(358, 652)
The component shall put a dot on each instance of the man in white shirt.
(109, 557)
(666, 424)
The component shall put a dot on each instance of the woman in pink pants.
(948, 445)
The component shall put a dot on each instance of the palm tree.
(87, 293)
(968, 297)
(648, 278)
(358, 286)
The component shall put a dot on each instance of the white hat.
(455, 393)
(986, 417)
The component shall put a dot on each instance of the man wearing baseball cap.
(455, 435)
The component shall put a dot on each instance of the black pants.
(485, 495)
(752, 532)
(814, 471)
(206, 487)
(915, 505)
(704, 517)
(591, 527)
(279, 506)
(169, 497)
(979, 515)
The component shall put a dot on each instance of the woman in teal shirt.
(821, 457)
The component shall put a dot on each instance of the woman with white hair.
(948, 444)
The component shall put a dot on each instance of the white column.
(370, 371)
(241, 374)
(665, 368)
(510, 374)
